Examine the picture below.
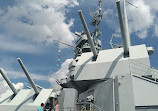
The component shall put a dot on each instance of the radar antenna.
(113, 45)
(97, 17)
(88, 41)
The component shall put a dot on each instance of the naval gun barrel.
(8, 82)
(28, 76)
(125, 40)
(88, 34)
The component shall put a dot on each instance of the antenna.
(97, 17)
(63, 43)
(131, 4)
(112, 44)
(66, 44)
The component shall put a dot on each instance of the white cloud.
(8, 64)
(4, 86)
(40, 21)
(7, 61)
(19, 85)
(8, 44)
(117, 34)
(152, 4)
(60, 74)
(109, 17)
(22, 75)
(141, 18)
(16, 75)
(156, 30)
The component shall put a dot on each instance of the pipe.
(8, 82)
(124, 38)
(28, 76)
(95, 54)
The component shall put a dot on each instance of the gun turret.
(90, 40)
(28, 76)
(8, 82)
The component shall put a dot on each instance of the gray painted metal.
(8, 81)
(116, 94)
(88, 34)
(61, 100)
(126, 25)
(24, 100)
(107, 66)
(104, 95)
(28, 76)
(70, 99)
(147, 108)
(110, 83)
(67, 99)
(124, 38)
(126, 95)
(143, 90)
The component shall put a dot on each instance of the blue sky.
(28, 28)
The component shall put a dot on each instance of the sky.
(28, 29)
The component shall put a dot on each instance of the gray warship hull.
(118, 79)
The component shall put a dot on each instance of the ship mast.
(97, 17)
(88, 41)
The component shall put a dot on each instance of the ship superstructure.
(119, 79)
(26, 99)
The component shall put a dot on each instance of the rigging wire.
(141, 19)
(131, 4)
(64, 43)
(135, 17)
(129, 18)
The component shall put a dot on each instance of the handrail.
(93, 106)
(145, 70)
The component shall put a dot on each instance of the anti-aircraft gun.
(26, 99)
(28, 76)
(8, 82)
(88, 42)
(117, 79)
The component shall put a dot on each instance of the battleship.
(117, 79)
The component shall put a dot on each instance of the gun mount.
(8, 82)
(28, 76)
(26, 99)
(95, 54)
(114, 81)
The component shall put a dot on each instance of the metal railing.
(83, 106)
(86, 106)
(143, 70)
